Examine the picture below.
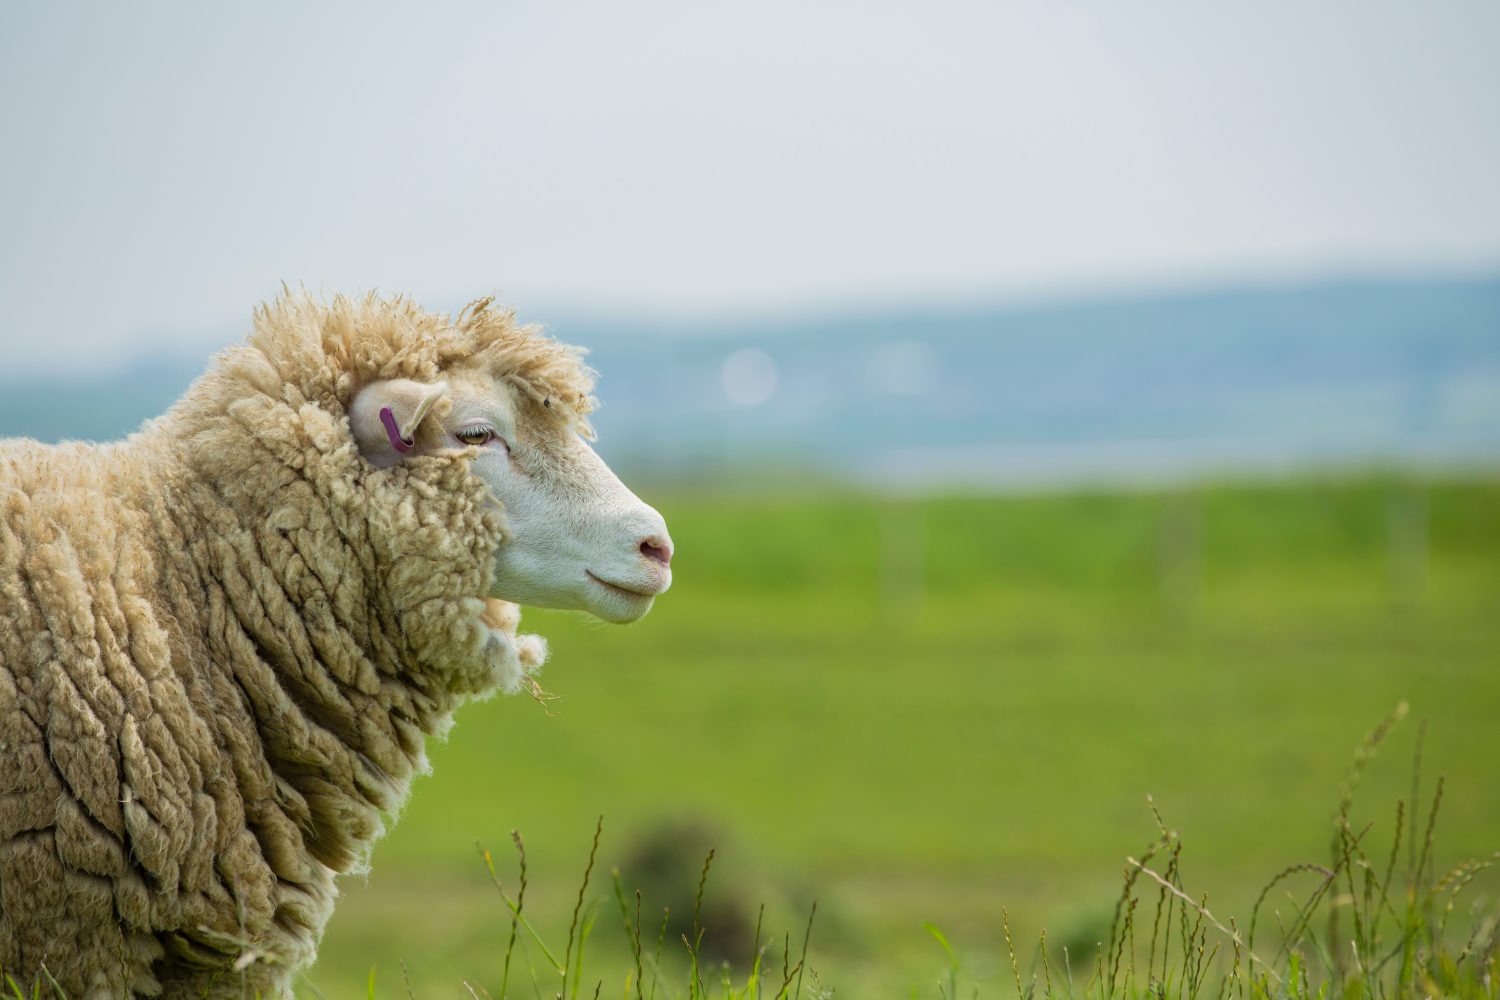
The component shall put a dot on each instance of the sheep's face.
(577, 538)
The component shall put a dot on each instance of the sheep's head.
(576, 537)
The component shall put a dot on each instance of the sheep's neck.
(276, 623)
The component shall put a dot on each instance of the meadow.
(946, 709)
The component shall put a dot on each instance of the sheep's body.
(222, 645)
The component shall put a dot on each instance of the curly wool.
(224, 641)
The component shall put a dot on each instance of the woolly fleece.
(224, 641)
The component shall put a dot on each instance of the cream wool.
(225, 640)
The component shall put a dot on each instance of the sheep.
(225, 640)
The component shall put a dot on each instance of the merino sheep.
(225, 640)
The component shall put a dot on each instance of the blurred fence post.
(1406, 525)
(903, 554)
(1179, 553)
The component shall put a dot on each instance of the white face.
(579, 539)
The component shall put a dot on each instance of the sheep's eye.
(475, 435)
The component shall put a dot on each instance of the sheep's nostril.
(657, 550)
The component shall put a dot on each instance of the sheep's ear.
(386, 415)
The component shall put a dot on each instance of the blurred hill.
(1334, 375)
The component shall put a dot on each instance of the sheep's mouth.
(616, 588)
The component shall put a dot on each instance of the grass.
(1367, 925)
(930, 710)
(1370, 924)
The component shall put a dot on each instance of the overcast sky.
(164, 167)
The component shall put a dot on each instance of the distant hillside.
(1324, 376)
(96, 408)
(1345, 374)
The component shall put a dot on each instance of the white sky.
(164, 167)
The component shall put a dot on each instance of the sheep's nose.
(657, 548)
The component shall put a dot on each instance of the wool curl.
(225, 640)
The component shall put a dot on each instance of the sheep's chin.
(616, 605)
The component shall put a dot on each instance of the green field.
(930, 710)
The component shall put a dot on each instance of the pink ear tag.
(393, 431)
